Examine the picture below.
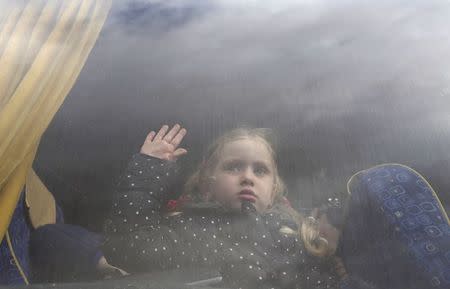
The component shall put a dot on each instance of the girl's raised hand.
(164, 144)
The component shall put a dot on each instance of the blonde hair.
(195, 186)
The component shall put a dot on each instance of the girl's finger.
(162, 132)
(179, 137)
(150, 136)
(179, 152)
(172, 133)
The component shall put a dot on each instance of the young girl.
(237, 220)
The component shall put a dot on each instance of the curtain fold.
(43, 47)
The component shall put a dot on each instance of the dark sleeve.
(62, 252)
(137, 236)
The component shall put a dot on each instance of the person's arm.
(141, 194)
(63, 252)
(136, 240)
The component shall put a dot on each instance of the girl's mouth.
(247, 195)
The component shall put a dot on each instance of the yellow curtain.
(43, 47)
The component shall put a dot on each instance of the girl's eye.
(234, 167)
(261, 170)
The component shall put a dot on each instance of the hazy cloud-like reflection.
(345, 86)
(157, 15)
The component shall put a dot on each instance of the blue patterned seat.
(397, 233)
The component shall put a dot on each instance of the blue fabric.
(58, 252)
(63, 252)
(19, 232)
(396, 234)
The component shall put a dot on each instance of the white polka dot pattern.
(248, 248)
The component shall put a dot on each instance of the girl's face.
(244, 171)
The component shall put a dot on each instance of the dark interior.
(344, 85)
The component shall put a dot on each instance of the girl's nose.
(247, 177)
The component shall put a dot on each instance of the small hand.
(339, 266)
(327, 231)
(108, 270)
(164, 144)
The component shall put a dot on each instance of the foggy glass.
(344, 85)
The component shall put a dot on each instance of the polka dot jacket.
(246, 247)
